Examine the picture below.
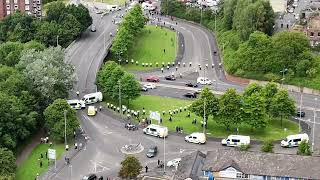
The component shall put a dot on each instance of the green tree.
(47, 33)
(230, 109)
(55, 122)
(56, 11)
(304, 148)
(212, 104)
(130, 88)
(10, 53)
(81, 13)
(269, 91)
(113, 81)
(252, 89)
(49, 72)
(104, 75)
(254, 111)
(69, 29)
(130, 168)
(229, 6)
(267, 146)
(282, 105)
(7, 165)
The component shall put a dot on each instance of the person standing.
(146, 169)
(78, 93)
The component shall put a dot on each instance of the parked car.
(301, 114)
(152, 152)
(130, 126)
(204, 81)
(153, 79)
(196, 137)
(190, 95)
(191, 85)
(174, 162)
(294, 140)
(90, 177)
(236, 140)
(150, 86)
(143, 88)
(170, 78)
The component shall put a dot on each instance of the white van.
(92, 98)
(236, 140)
(76, 104)
(294, 140)
(196, 137)
(156, 130)
(204, 81)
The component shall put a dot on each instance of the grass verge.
(156, 103)
(149, 48)
(31, 166)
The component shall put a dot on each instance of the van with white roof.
(92, 98)
(294, 140)
(196, 137)
(236, 140)
(76, 104)
(156, 130)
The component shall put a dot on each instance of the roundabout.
(132, 149)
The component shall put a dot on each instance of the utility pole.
(300, 109)
(167, 7)
(204, 116)
(283, 71)
(65, 127)
(313, 126)
(164, 154)
(70, 172)
(119, 83)
(57, 40)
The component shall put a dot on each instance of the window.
(39, 8)
(38, 2)
(27, 8)
(26, 2)
(8, 12)
(15, 1)
(235, 140)
(91, 98)
(318, 33)
(297, 140)
(8, 7)
(8, 1)
(243, 176)
(15, 7)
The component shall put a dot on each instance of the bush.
(267, 146)
(272, 77)
(244, 147)
(304, 149)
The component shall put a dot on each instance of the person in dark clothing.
(146, 169)
(158, 162)
(176, 128)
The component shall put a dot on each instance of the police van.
(236, 140)
(76, 104)
(294, 140)
(92, 98)
(156, 130)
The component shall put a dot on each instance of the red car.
(153, 79)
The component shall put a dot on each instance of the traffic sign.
(52, 153)
(155, 115)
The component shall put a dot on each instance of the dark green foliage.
(7, 165)
(244, 147)
(130, 168)
(267, 146)
(304, 149)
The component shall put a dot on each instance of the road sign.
(155, 115)
(52, 153)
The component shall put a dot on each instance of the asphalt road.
(106, 131)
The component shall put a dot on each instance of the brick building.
(32, 7)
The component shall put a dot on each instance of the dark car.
(152, 152)
(144, 89)
(301, 114)
(153, 79)
(191, 85)
(130, 126)
(190, 95)
(90, 177)
(170, 78)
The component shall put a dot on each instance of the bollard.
(132, 61)
(179, 64)
(127, 61)
(150, 64)
(142, 64)
(162, 64)
(157, 64)
(146, 64)
(176, 68)
(212, 65)
(172, 63)
(137, 63)
(167, 67)
(184, 64)
(190, 64)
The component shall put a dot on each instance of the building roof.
(314, 23)
(190, 165)
(267, 164)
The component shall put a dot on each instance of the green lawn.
(157, 103)
(30, 167)
(149, 46)
(112, 2)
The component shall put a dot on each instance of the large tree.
(129, 86)
(130, 168)
(7, 165)
(81, 13)
(50, 73)
(230, 105)
(283, 105)
(55, 122)
(208, 99)
(104, 74)
(269, 91)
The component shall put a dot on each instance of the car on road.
(294, 140)
(99, 12)
(301, 114)
(144, 89)
(236, 140)
(90, 177)
(190, 95)
(174, 162)
(196, 137)
(152, 152)
(203, 81)
(150, 86)
(191, 85)
(152, 79)
(92, 111)
(76, 104)
(93, 28)
(130, 126)
(170, 78)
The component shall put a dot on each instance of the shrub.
(244, 147)
(267, 146)
(271, 77)
(304, 149)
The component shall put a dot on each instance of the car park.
(152, 79)
(130, 126)
(203, 81)
(236, 140)
(190, 95)
(150, 86)
(152, 151)
(90, 177)
(174, 162)
(196, 137)
(301, 114)
(294, 140)
(191, 84)
(170, 78)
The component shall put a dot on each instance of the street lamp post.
(119, 83)
(283, 72)
(57, 40)
(204, 116)
(65, 127)
(300, 109)
(313, 126)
